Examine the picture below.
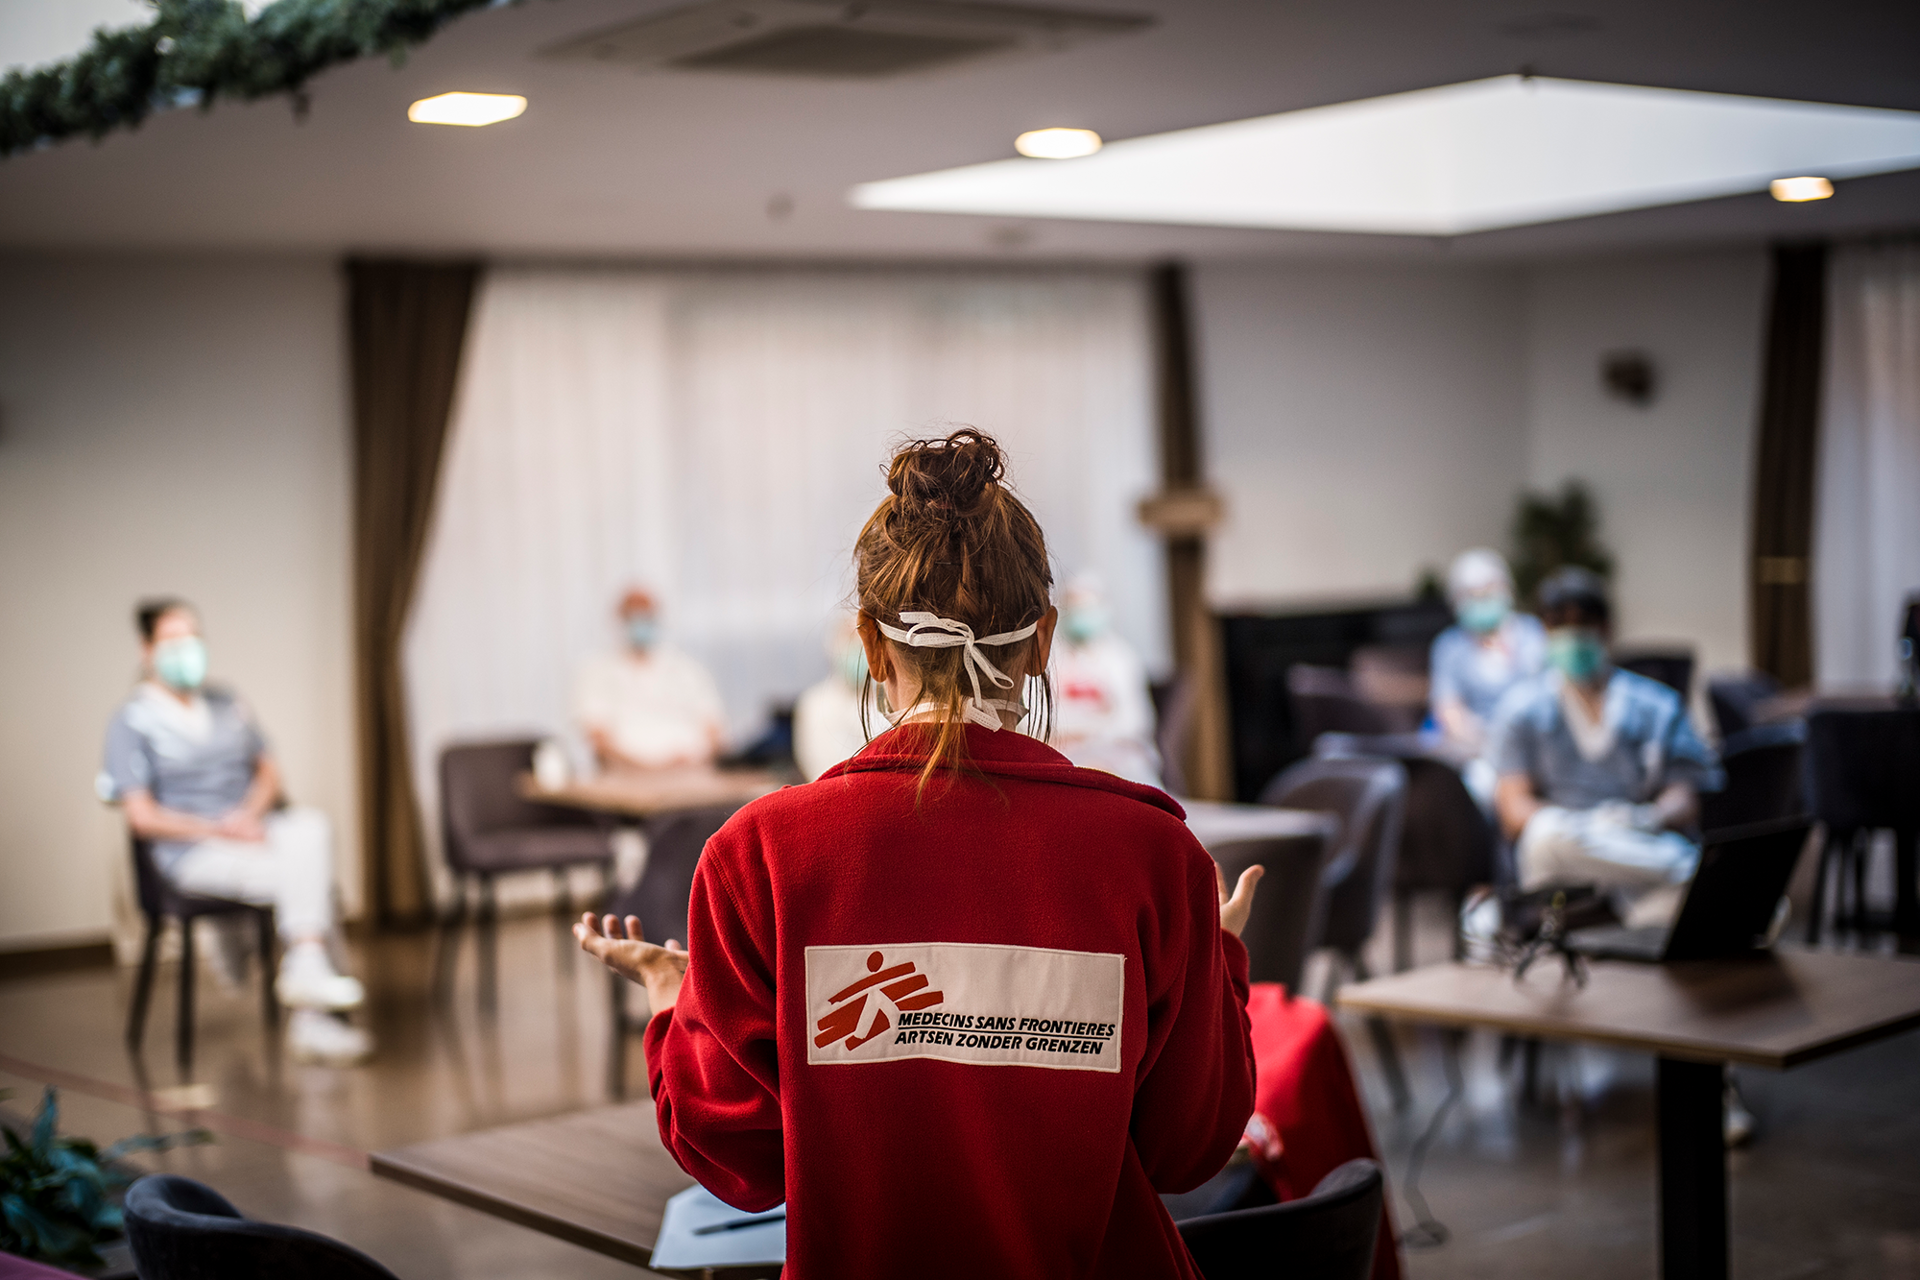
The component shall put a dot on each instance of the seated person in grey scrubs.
(190, 767)
(1487, 651)
(1599, 769)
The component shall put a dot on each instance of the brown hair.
(951, 539)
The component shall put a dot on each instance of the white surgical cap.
(1476, 570)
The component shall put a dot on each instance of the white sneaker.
(315, 1037)
(308, 981)
(1737, 1123)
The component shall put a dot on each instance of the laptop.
(1729, 905)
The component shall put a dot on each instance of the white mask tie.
(931, 631)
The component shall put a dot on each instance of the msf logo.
(900, 985)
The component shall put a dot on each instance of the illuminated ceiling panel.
(1503, 152)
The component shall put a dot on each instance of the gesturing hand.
(618, 945)
(1236, 906)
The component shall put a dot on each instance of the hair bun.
(947, 478)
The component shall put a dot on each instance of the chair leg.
(489, 934)
(1402, 930)
(617, 1039)
(1862, 855)
(269, 967)
(1818, 906)
(143, 985)
(446, 948)
(183, 1026)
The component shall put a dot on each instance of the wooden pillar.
(1182, 513)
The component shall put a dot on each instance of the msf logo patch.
(900, 985)
(992, 1005)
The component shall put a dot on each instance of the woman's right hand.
(1235, 907)
(618, 945)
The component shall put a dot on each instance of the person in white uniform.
(191, 769)
(648, 706)
(1103, 715)
(827, 727)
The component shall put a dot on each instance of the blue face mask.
(1482, 614)
(853, 663)
(642, 631)
(1578, 653)
(1084, 623)
(181, 664)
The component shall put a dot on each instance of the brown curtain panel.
(1207, 767)
(407, 322)
(1779, 576)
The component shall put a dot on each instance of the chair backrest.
(1861, 767)
(1326, 701)
(1369, 798)
(479, 793)
(1329, 1235)
(1671, 667)
(183, 1230)
(1286, 911)
(1736, 699)
(1764, 767)
(673, 851)
(1173, 706)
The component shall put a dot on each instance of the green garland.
(199, 51)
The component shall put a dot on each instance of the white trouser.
(291, 870)
(1645, 871)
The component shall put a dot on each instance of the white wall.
(166, 426)
(1362, 422)
(1674, 480)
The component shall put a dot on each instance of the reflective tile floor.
(1559, 1184)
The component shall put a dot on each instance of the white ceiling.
(608, 162)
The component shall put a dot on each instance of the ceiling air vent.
(832, 39)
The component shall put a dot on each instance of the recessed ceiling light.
(1057, 144)
(1503, 152)
(467, 108)
(1797, 190)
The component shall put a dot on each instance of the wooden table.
(599, 1179)
(647, 794)
(1774, 1010)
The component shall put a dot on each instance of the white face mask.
(930, 631)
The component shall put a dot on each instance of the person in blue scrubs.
(1489, 649)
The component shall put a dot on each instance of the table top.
(640, 794)
(1215, 824)
(1778, 1009)
(599, 1178)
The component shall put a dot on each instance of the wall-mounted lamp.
(1629, 376)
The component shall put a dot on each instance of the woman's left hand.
(1235, 907)
(617, 944)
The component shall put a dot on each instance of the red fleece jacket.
(969, 1039)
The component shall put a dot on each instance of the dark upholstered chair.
(1860, 777)
(161, 902)
(1369, 798)
(1325, 700)
(183, 1230)
(1174, 705)
(1446, 842)
(1287, 910)
(1329, 1235)
(1736, 700)
(1763, 765)
(1671, 667)
(659, 898)
(489, 829)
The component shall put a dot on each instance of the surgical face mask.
(853, 663)
(1084, 622)
(642, 631)
(1481, 614)
(1578, 653)
(182, 663)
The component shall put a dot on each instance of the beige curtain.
(407, 322)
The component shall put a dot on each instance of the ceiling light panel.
(1502, 152)
(471, 109)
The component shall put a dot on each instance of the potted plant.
(59, 1196)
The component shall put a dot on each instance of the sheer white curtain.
(1867, 531)
(718, 437)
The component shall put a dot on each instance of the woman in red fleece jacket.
(965, 1007)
